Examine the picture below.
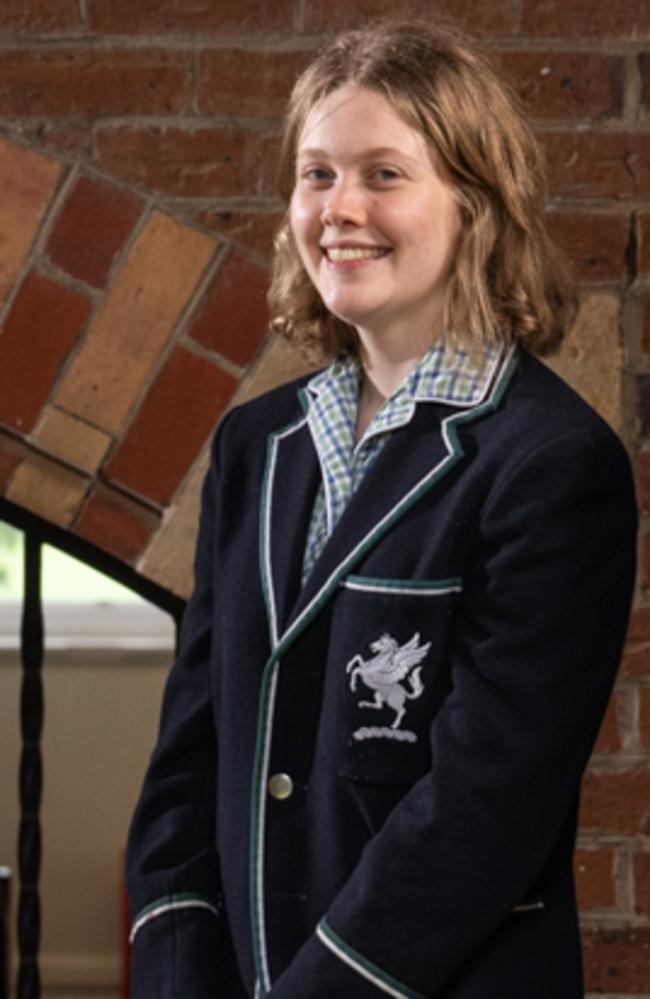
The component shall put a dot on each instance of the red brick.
(233, 318)
(39, 15)
(594, 244)
(238, 81)
(91, 228)
(594, 876)
(201, 162)
(609, 740)
(617, 961)
(586, 18)
(597, 165)
(116, 524)
(616, 802)
(636, 659)
(92, 81)
(44, 323)
(11, 455)
(62, 138)
(269, 148)
(639, 627)
(494, 18)
(642, 883)
(174, 421)
(254, 231)
(567, 84)
(644, 717)
(180, 16)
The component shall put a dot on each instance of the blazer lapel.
(289, 490)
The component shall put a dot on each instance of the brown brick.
(138, 316)
(92, 80)
(116, 524)
(594, 876)
(38, 15)
(48, 489)
(27, 182)
(238, 81)
(616, 802)
(586, 18)
(182, 16)
(254, 231)
(268, 169)
(91, 228)
(609, 740)
(12, 453)
(643, 481)
(495, 18)
(644, 72)
(594, 244)
(598, 165)
(279, 363)
(643, 253)
(645, 335)
(64, 436)
(644, 568)
(173, 423)
(584, 85)
(44, 322)
(642, 883)
(233, 318)
(644, 717)
(192, 163)
(617, 961)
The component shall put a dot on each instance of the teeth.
(337, 254)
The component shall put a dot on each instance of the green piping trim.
(265, 516)
(267, 691)
(362, 965)
(426, 585)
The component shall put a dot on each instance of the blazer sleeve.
(533, 660)
(172, 867)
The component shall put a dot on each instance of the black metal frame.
(39, 532)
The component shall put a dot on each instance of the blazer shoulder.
(546, 407)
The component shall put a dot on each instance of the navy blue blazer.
(368, 786)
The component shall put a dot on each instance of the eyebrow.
(378, 151)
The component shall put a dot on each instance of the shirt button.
(280, 786)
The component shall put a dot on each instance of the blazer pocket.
(386, 677)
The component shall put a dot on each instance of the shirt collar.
(446, 374)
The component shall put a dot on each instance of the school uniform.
(367, 775)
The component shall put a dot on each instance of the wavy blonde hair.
(508, 280)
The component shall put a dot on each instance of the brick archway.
(118, 356)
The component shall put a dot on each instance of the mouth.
(343, 254)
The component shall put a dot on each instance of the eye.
(318, 176)
(384, 175)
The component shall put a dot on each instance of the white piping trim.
(169, 907)
(415, 591)
(341, 954)
(529, 906)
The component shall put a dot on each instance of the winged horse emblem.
(393, 673)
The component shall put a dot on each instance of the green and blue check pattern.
(447, 375)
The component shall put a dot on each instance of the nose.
(344, 206)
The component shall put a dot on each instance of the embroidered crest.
(395, 677)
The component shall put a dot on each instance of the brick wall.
(137, 144)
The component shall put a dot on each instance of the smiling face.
(375, 222)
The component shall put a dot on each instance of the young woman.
(413, 577)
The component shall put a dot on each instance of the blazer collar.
(398, 477)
